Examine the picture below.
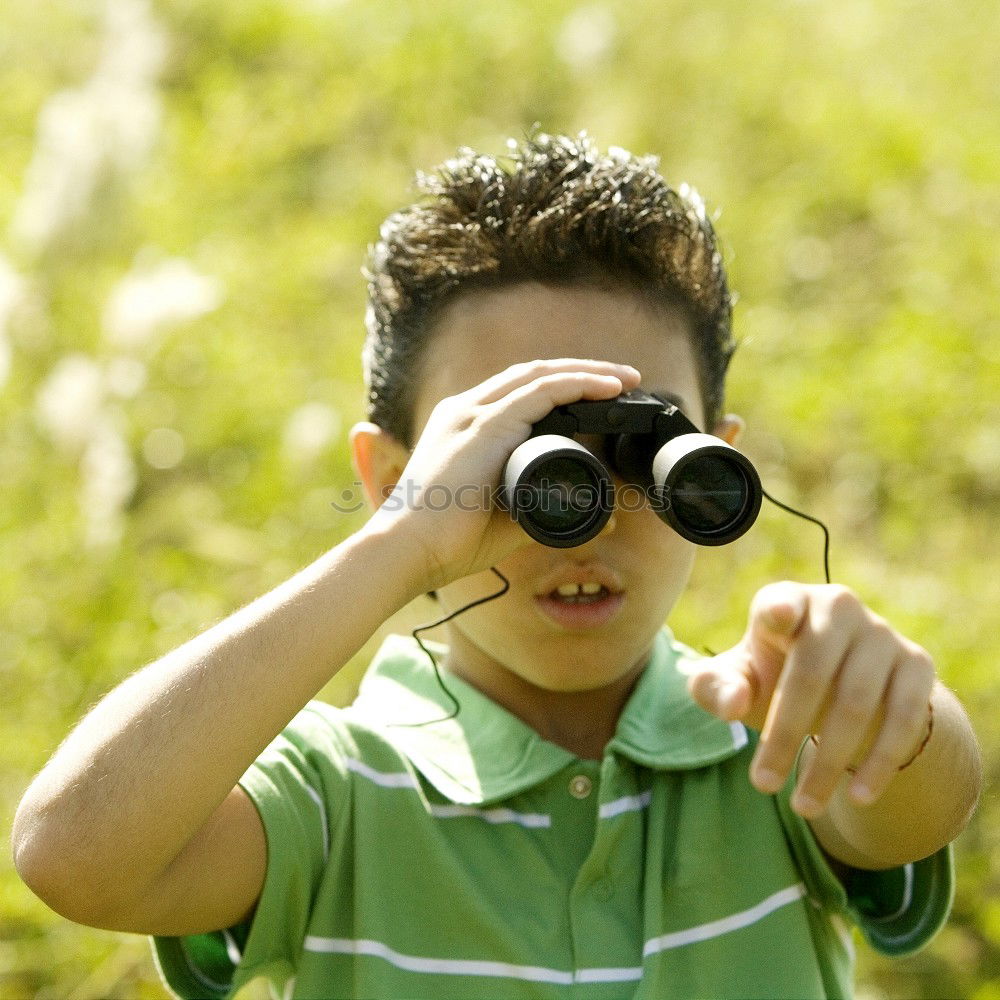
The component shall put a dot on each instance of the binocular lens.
(557, 491)
(560, 495)
(710, 494)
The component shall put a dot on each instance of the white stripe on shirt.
(317, 798)
(445, 966)
(492, 815)
(540, 974)
(627, 803)
(622, 975)
(387, 779)
(403, 779)
(907, 895)
(726, 925)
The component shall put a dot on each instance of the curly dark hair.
(554, 211)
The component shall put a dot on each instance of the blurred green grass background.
(187, 191)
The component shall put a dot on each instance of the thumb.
(724, 685)
(738, 683)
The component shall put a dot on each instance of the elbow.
(36, 857)
(33, 854)
(967, 803)
(49, 868)
(961, 792)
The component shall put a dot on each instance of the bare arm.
(924, 807)
(814, 660)
(137, 822)
(101, 833)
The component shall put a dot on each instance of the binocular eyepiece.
(562, 494)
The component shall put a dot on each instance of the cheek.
(459, 593)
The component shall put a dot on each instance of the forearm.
(151, 762)
(925, 807)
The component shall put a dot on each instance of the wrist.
(398, 557)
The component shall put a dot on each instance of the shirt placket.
(605, 902)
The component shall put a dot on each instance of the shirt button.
(580, 786)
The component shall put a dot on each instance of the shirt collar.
(486, 754)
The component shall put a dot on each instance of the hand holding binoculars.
(562, 494)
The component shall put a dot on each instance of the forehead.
(484, 332)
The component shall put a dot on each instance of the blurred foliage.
(170, 455)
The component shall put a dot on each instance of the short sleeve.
(901, 909)
(298, 785)
(898, 910)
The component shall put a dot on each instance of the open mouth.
(580, 593)
(580, 606)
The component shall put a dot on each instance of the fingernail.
(767, 780)
(806, 805)
(727, 692)
(862, 794)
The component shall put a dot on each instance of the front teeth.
(574, 589)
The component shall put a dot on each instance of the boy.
(601, 818)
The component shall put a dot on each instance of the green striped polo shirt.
(470, 858)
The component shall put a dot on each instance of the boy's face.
(529, 638)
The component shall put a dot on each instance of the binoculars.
(562, 493)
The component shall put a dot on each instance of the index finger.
(502, 384)
(800, 693)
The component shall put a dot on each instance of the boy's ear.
(729, 428)
(379, 459)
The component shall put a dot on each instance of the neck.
(582, 722)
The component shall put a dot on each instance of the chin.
(573, 680)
